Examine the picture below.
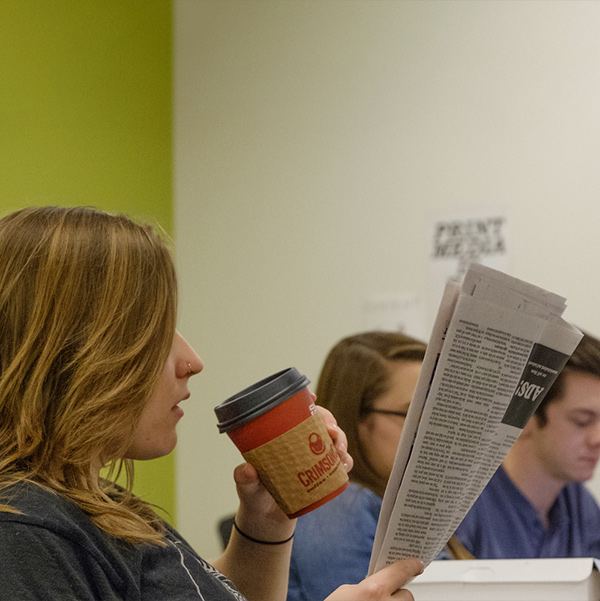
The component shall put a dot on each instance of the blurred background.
(322, 165)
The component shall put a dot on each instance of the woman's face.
(380, 432)
(155, 435)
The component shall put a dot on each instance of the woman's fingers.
(385, 585)
(338, 436)
(392, 578)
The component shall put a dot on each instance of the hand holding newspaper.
(497, 345)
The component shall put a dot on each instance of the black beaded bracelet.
(261, 542)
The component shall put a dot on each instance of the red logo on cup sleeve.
(316, 444)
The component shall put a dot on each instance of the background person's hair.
(356, 372)
(87, 318)
(585, 359)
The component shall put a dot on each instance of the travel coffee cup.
(278, 429)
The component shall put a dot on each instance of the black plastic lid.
(259, 398)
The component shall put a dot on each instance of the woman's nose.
(188, 358)
(196, 366)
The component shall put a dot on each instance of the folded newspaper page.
(497, 345)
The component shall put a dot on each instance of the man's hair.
(356, 372)
(87, 318)
(585, 359)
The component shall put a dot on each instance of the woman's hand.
(259, 515)
(337, 435)
(385, 585)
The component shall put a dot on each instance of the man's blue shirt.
(503, 524)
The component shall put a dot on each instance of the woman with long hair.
(92, 372)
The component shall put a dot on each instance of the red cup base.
(320, 502)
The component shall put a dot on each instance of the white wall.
(314, 140)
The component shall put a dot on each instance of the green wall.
(85, 118)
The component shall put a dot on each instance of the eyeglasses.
(385, 412)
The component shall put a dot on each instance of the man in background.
(536, 505)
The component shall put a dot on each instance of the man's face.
(568, 445)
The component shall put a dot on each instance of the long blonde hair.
(87, 317)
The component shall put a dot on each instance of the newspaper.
(497, 345)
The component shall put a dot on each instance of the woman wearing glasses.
(367, 382)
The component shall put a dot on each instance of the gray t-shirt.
(52, 551)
